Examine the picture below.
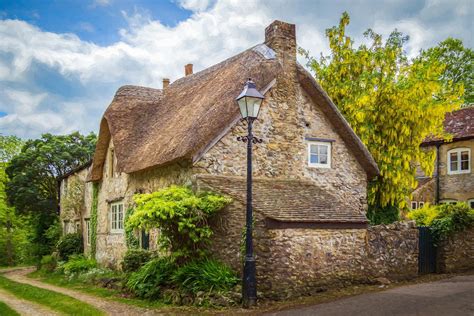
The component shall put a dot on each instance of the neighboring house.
(311, 170)
(453, 178)
(75, 202)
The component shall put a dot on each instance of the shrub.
(70, 244)
(424, 216)
(78, 264)
(99, 276)
(182, 217)
(452, 218)
(134, 259)
(383, 215)
(48, 263)
(205, 275)
(148, 281)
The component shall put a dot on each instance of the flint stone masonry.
(456, 254)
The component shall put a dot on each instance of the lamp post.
(249, 102)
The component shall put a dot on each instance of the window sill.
(313, 166)
(453, 173)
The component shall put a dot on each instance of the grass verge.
(56, 301)
(7, 311)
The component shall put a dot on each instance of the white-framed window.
(116, 217)
(319, 154)
(88, 231)
(421, 204)
(414, 205)
(470, 202)
(459, 160)
(448, 201)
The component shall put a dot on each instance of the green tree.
(458, 61)
(390, 103)
(33, 173)
(14, 229)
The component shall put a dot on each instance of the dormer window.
(459, 161)
(319, 154)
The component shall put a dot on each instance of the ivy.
(95, 203)
(182, 217)
(130, 236)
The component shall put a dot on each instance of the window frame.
(448, 201)
(421, 204)
(414, 203)
(458, 151)
(329, 155)
(469, 203)
(115, 224)
(87, 224)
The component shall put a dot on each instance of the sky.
(61, 61)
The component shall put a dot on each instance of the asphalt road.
(454, 296)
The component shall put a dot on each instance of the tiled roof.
(459, 123)
(285, 200)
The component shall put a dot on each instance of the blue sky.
(62, 61)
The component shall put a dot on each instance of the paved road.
(447, 297)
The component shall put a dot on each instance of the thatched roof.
(285, 200)
(152, 127)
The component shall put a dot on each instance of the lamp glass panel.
(243, 107)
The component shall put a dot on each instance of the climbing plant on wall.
(130, 236)
(182, 217)
(95, 202)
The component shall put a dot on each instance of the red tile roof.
(459, 123)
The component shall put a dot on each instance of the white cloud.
(100, 3)
(149, 50)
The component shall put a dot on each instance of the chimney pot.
(166, 82)
(188, 69)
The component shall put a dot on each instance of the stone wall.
(456, 254)
(294, 262)
(120, 187)
(458, 187)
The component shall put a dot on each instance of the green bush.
(452, 218)
(98, 276)
(424, 216)
(70, 244)
(78, 264)
(134, 259)
(149, 280)
(182, 217)
(205, 275)
(48, 263)
(383, 215)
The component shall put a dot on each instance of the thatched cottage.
(453, 178)
(311, 170)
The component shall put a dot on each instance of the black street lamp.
(249, 102)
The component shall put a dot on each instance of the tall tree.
(458, 61)
(33, 173)
(390, 103)
(14, 229)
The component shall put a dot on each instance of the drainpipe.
(437, 173)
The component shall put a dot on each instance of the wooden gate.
(427, 251)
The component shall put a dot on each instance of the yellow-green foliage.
(391, 102)
(424, 216)
(180, 214)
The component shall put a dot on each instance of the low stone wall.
(302, 261)
(456, 254)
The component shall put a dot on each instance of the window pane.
(471, 204)
(454, 166)
(323, 149)
(454, 157)
(323, 159)
(464, 165)
(464, 155)
(314, 159)
(313, 149)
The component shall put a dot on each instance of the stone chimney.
(188, 69)
(166, 82)
(281, 37)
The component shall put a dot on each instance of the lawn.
(55, 301)
(7, 311)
